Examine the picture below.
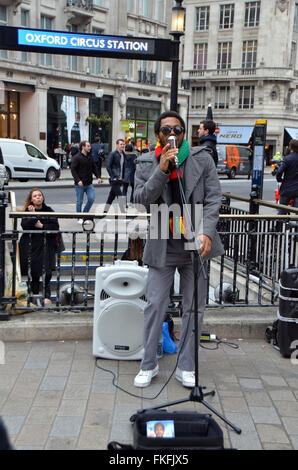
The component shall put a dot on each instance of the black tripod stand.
(197, 394)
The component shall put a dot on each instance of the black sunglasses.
(166, 130)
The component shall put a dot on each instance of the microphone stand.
(196, 395)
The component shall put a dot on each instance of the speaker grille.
(104, 295)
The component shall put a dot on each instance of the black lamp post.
(177, 30)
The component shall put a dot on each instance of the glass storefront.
(10, 114)
(139, 123)
(66, 120)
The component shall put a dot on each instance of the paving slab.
(45, 405)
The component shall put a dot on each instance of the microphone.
(172, 140)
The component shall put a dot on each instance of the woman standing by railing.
(38, 254)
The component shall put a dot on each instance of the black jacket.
(210, 142)
(36, 251)
(288, 175)
(114, 165)
(83, 167)
(130, 168)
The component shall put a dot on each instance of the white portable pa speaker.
(119, 311)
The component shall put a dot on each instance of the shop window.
(9, 115)
(141, 113)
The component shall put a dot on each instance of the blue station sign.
(96, 45)
(87, 42)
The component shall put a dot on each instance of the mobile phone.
(160, 429)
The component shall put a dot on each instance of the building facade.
(46, 98)
(241, 56)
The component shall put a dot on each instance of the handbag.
(59, 243)
(183, 430)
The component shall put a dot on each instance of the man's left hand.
(206, 244)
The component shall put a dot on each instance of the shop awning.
(292, 132)
(234, 134)
(19, 87)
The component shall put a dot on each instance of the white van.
(23, 160)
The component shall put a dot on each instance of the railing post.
(3, 204)
(252, 239)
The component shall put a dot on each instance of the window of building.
(130, 6)
(73, 59)
(202, 18)
(293, 54)
(24, 23)
(3, 22)
(222, 97)
(200, 56)
(97, 2)
(226, 19)
(198, 97)
(224, 55)
(252, 14)
(249, 54)
(296, 17)
(147, 72)
(246, 97)
(96, 66)
(46, 23)
(160, 7)
(146, 8)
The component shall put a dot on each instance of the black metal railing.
(257, 249)
(85, 4)
(147, 77)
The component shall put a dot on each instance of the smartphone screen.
(160, 429)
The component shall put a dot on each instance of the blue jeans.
(80, 190)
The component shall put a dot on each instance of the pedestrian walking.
(82, 169)
(206, 133)
(287, 175)
(115, 168)
(129, 171)
(98, 153)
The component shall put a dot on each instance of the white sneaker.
(143, 379)
(186, 377)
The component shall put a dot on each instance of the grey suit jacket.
(202, 186)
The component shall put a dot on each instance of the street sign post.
(258, 158)
(259, 140)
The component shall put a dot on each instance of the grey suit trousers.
(158, 289)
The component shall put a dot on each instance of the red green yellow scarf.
(182, 156)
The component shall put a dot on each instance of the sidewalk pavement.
(53, 395)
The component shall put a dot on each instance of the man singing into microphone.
(157, 184)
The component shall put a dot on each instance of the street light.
(177, 30)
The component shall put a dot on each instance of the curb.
(226, 322)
